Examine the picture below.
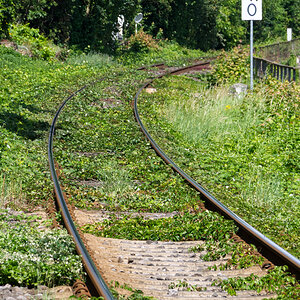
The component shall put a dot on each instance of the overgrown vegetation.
(30, 94)
(231, 67)
(201, 226)
(142, 49)
(135, 294)
(32, 42)
(31, 257)
(277, 280)
(243, 149)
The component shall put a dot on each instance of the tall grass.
(230, 126)
(115, 180)
(93, 59)
(11, 194)
(242, 149)
(213, 114)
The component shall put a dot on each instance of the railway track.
(163, 270)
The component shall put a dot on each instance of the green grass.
(105, 146)
(31, 92)
(167, 52)
(187, 226)
(276, 281)
(11, 193)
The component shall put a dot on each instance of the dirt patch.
(92, 183)
(19, 48)
(91, 216)
(107, 103)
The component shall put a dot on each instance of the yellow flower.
(227, 107)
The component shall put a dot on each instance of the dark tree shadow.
(22, 126)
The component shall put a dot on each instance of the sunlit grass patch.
(92, 59)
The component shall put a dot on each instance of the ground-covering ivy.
(276, 281)
(135, 294)
(31, 91)
(31, 257)
(106, 161)
(243, 150)
(200, 226)
(242, 255)
(203, 226)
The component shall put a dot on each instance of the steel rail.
(89, 265)
(288, 258)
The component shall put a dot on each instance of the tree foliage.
(203, 24)
(7, 14)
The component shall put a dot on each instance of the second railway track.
(161, 269)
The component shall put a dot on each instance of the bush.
(231, 67)
(33, 42)
(141, 42)
(7, 13)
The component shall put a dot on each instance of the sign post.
(289, 34)
(251, 11)
(138, 18)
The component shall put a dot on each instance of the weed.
(277, 281)
(30, 257)
(11, 194)
(201, 226)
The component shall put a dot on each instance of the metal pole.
(251, 55)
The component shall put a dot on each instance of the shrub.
(7, 13)
(231, 67)
(141, 42)
(35, 43)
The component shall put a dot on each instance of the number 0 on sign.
(251, 10)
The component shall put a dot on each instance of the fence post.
(285, 72)
(295, 71)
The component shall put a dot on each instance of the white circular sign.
(138, 18)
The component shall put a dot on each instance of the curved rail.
(90, 267)
(288, 258)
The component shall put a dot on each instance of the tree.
(7, 15)
(292, 8)
(230, 28)
(157, 16)
(273, 23)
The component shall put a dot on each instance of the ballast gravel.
(8, 292)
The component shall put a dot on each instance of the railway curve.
(270, 248)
